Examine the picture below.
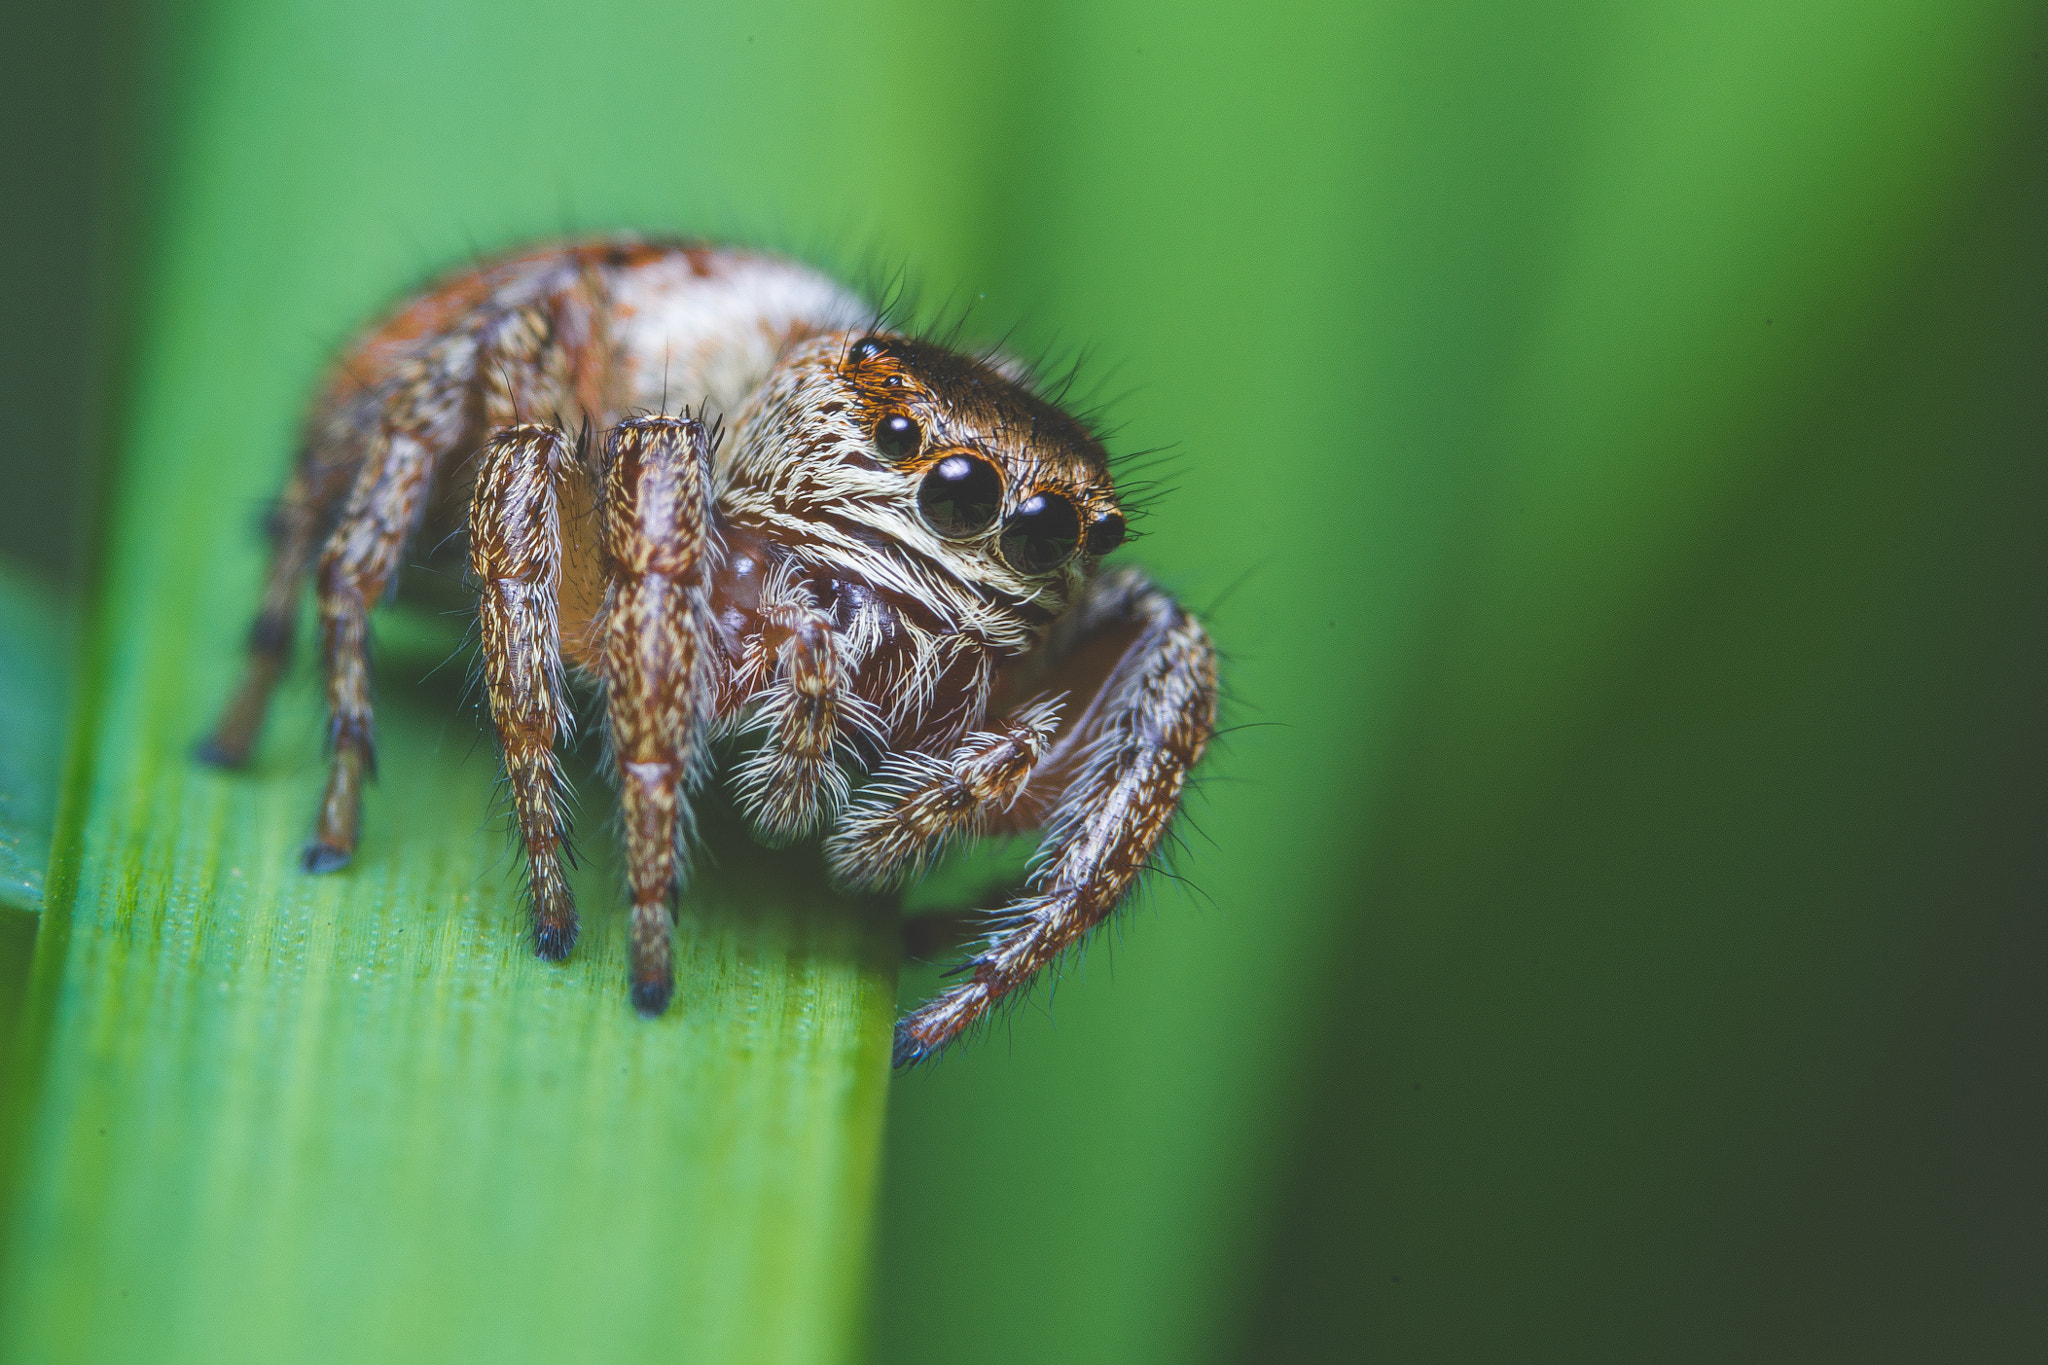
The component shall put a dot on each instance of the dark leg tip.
(909, 1050)
(552, 939)
(215, 753)
(317, 858)
(650, 998)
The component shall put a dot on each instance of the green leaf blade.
(357, 1110)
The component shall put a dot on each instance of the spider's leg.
(655, 642)
(1128, 757)
(793, 780)
(918, 804)
(517, 360)
(515, 555)
(312, 497)
(422, 421)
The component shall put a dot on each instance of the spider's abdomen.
(699, 327)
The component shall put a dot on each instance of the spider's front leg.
(1127, 761)
(515, 555)
(655, 645)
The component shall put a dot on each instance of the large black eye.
(961, 496)
(898, 436)
(1041, 533)
(1106, 534)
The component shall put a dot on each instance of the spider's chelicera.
(884, 583)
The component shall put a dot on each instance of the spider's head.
(947, 455)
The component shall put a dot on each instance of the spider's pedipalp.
(515, 555)
(1130, 759)
(655, 656)
(923, 803)
(794, 780)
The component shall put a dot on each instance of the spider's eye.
(898, 436)
(867, 348)
(961, 496)
(1041, 533)
(1106, 534)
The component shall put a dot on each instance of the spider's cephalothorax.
(884, 583)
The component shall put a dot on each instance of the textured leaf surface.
(356, 1110)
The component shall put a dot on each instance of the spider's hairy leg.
(655, 653)
(515, 556)
(1151, 723)
(311, 496)
(924, 803)
(793, 780)
(360, 563)
(522, 352)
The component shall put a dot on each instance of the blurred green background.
(1613, 439)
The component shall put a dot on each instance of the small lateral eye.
(961, 496)
(1041, 533)
(1106, 534)
(898, 436)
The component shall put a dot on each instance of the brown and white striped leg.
(1150, 725)
(919, 804)
(357, 569)
(515, 555)
(311, 497)
(656, 641)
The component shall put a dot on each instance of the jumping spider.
(889, 567)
